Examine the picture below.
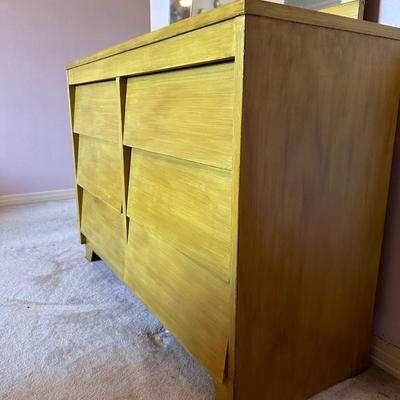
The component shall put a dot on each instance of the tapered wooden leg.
(90, 254)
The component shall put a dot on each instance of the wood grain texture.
(96, 110)
(225, 391)
(186, 114)
(213, 43)
(320, 111)
(253, 160)
(202, 20)
(104, 229)
(124, 154)
(99, 170)
(75, 145)
(188, 300)
(310, 17)
(188, 205)
(229, 11)
(74, 140)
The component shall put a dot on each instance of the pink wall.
(387, 311)
(37, 38)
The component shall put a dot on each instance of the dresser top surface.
(236, 8)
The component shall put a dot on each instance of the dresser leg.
(90, 254)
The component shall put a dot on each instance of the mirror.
(346, 8)
(164, 12)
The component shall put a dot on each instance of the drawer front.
(104, 228)
(189, 301)
(186, 114)
(202, 46)
(186, 204)
(100, 170)
(96, 110)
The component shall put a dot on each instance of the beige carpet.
(69, 330)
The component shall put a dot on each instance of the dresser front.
(235, 178)
(153, 132)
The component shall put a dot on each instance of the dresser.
(232, 169)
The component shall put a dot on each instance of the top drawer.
(96, 110)
(186, 114)
(201, 46)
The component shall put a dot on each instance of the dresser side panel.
(320, 111)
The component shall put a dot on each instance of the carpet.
(70, 330)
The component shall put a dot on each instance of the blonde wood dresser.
(233, 169)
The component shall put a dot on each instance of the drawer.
(100, 170)
(185, 204)
(202, 46)
(186, 114)
(104, 228)
(96, 110)
(189, 301)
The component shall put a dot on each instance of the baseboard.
(27, 198)
(386, 356)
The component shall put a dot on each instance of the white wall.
(159, 10)
(389, 13)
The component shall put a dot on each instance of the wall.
(387, 311)
(37, 38)
(159, 13)
(389, 12)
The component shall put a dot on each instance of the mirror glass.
(346, 8)
(180, 9)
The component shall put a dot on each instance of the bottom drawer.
(103, 226)
(190, 301)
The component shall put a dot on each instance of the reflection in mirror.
(346, 8)
(180, 9)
